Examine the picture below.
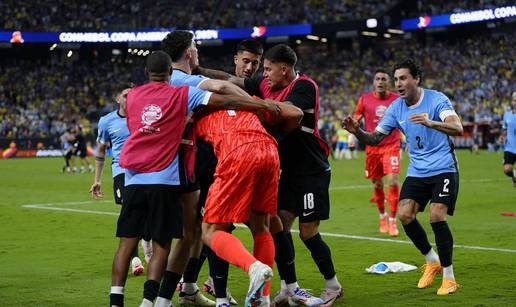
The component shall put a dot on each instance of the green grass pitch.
(54, 257)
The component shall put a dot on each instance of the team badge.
(150, 114)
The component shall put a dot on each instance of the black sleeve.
(252, 85)
(302, 95)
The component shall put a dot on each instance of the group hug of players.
(196, 150)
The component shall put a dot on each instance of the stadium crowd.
(99, 15)
(436, 7)
(52, 95)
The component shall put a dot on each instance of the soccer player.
(342, 146)
(113, 130)
(428, 119)
(305, 177)
(384, 159)
(151, 205)
(509, 135)
(181, 47)
(66, 142)
(81, 150)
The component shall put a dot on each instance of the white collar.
(420, 99)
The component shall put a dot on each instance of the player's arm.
(288, 119)
(238, 102)
(100, 156)
(222, 87)
(220, 75)
(450, 126)
(370, 138)
(359, 111)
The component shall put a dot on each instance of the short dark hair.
(411, 65)
(281, 54)
(158, 62)
(250, 45)
(381, 70)
(175, 43)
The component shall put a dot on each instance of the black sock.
(444, 242)
(322, 255)
(168, 285)
(150, 290)
(135, 252)
(290, 256)
(219, 269)
(205, 251)
(190, 276)
(417, 235)
(116, 299)
(510, 174)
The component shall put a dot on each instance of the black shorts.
(509, 157)
(442, 188)
(205, 165)
(151, 212)
(118, 188)
(307, 196)
(81, 151)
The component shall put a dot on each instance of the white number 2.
(309, 201)
(445, 186)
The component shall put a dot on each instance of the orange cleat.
(393, 228)
(384, 226)
(429, 272)
(448, 286)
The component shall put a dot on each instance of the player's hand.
(96, 191)
(351, 125)
(421, 118)
(273, 107)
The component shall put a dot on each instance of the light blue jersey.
(180, 78)
(170, 174)
(113, 129)
(431, 151)
(509, 123)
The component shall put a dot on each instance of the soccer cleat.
(384, 225)
(329, 296)
(209, 288)
(195, 299)
(137, 266)
(280, 299)
(302, 297)
(393, 229)
(265, 302)
(448, 286)
(179, 286)
(429, 272)
(223, 305)
(259, 274)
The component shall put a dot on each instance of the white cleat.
(259, 275)
(301, 297)
(329, 296)
(196, 299)
(137, 266)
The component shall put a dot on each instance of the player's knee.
(308, 230)
(438, 212)
(286, 219)
(275, 224)
(508, 169)
(406, 217)
(377, 184)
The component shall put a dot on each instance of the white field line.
(51, 206)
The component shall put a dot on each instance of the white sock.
(146, 303)
(283, 285)
(189, 288)
(293, 286)
(162, 302)
(117, 290)
(448, 272)
(383, 215)
(392, 220)
(221, 301)
(333, 283)
(431, 257)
